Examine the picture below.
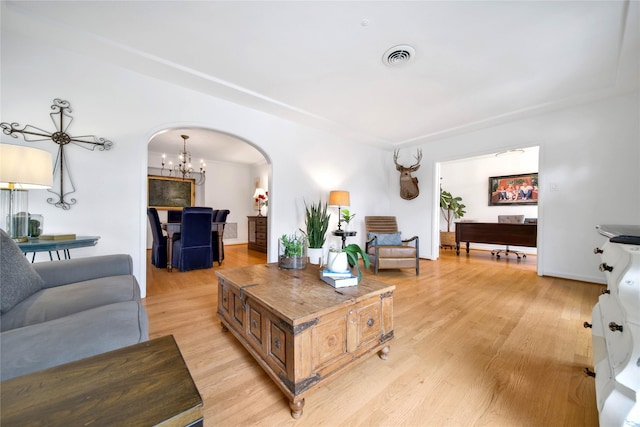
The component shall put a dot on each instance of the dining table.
(173, 228)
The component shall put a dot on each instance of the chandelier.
(183, 168)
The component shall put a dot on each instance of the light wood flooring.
(478, 342)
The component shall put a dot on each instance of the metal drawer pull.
(276, 343)
(254, 323)
(370, 322)
(587, 325)
(613, 326)
(605, 267)
(598, 251)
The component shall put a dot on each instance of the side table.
(344, 234)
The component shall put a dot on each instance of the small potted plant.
(340, 258)
(347, 216)
(317, 223)
(451, 208)
(292, 252)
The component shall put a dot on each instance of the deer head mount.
(408, 184)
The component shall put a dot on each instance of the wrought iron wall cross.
(62, 119)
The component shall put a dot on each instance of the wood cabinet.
(257, 233)
(616, 329)
(299, 329)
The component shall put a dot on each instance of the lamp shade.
(339, 198)
(25, 167)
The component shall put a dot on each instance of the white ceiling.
(476, 63)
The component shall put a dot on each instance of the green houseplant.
(347, 216)
(352, 252)
(317, 223)
(292, 252)
(451, 208)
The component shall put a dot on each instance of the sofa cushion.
(74, 337)
(18, 279)
(386, 239)
(394, 252)
(54, 303)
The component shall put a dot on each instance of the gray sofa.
(60, 311)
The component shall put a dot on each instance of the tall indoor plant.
(451, 208)
(317, 223)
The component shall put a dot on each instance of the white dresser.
(616, 328)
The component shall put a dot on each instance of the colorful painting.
(513, 190)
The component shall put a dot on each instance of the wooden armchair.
(385, 246)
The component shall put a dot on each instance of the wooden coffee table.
(301, 330)
(141, 385)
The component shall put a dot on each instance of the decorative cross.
(61, 109)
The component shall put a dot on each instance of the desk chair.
(385, 246)
(509, 219)
(193, 250)
(159, 246)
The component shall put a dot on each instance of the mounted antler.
(408, 184)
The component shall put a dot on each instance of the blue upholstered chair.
(159, 246)
(221, 216)
(193, 250)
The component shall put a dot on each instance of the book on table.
(340, 282)
(336, 274)
(59, 236)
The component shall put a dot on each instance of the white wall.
(129, 109)
(590, 152)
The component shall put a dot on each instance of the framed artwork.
(513, 190)
(168, 193)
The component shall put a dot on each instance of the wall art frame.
(169, 193)
(521, 189)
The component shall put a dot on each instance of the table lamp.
(260, 196)
(21, 169)
(339, 198)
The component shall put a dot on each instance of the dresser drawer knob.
(254, 322)
(370, 322)
(276, 343)
(605, 267)
(613, 326)
(588, 372)
(587, 325)
(598, 251)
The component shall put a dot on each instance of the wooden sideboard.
(257, 233)
(300, 330)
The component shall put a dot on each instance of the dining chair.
(193, 250)
(159, 246)
(221, 216)
(174, 215)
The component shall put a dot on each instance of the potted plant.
(340, 258)
(292, 252)
(451, 208)
(347, 216)
(317, 223)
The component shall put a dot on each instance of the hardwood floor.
(478, 341)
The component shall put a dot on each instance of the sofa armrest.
(56, 273)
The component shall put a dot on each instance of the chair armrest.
(56, 273)
(369, 242)
(410, 240)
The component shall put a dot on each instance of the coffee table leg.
(384, 352)
(296, 408)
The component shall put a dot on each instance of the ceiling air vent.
(398, 55)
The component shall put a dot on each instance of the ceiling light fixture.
(183, 169)
(398, 55)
